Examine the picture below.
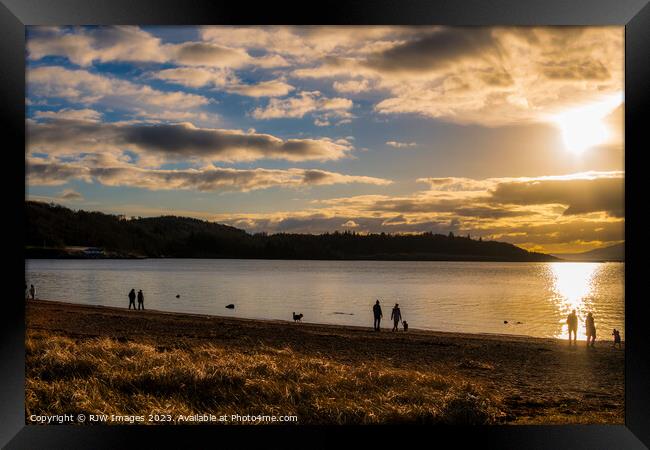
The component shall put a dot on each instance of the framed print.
(389, 222)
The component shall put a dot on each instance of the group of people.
(395, 315)
(140, 299)
(590, 330)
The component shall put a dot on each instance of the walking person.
(140, 299)
(396, 315)
(572, 323)
(32, 291)
(132, 298)
(591, 330)
(376, 311)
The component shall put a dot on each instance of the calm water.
(471, 297)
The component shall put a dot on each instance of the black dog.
(405, 324)
(297, 317)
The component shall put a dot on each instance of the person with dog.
(132, 298)
(376, 311)
(591, 330)
(572, 323)
(396, 315)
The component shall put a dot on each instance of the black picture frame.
(16, 14)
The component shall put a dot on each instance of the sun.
(580, 132)
(584, 127)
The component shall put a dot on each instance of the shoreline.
(313, 325)
(413, 377)
(139, 257)
(60, 255)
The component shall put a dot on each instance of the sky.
(504, 133)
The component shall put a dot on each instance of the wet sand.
(537, 380)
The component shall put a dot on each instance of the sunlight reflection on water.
(574, 286)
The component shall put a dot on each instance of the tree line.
(51, 226)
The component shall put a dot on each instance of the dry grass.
(106, 376)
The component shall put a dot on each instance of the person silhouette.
(132, 298)
(396, 315)
(617, 338)
(140, 299)
(591, 330)
(572, 322)
(32, 291)
(376, 311)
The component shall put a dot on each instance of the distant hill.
(53, 228)
(612, 253)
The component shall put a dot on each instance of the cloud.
(396, 144)
(316, 222)
(434, 50)
(351, 86)
(306, 102)
(87, 115)
(490, 76)
(576, 70)
(226, 80)
(270, 88)
(580, 195)
(174, 141)
(457, 184)
(70, 195)
(52, 173)
(84, 46)
(487, 76)
(567, 236)
(206, 54)
(196, 77)
(350, 224)
(306, 44)
(86, 88)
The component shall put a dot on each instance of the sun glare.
(573, 284)
(584, 127)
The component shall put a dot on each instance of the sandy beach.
(78, 358)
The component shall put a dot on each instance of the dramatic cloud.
(43, 172)
(190, 108)
(176, 141)
(435, 50)
(489, 76)
(580, 195)
(486, 76)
